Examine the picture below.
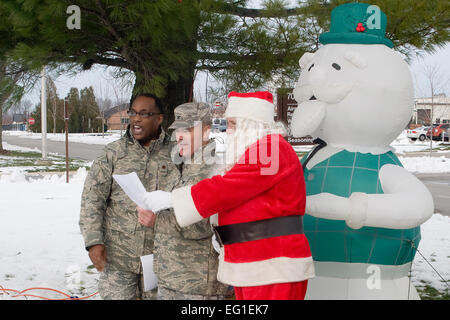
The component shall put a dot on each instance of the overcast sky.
(105, 86)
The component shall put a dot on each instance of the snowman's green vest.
(332, 240)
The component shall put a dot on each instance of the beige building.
(117, 117)
(437, 107)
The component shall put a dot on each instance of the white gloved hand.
(358, 213)
(158, 200)
(352, 210)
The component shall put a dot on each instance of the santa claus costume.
(260, 203)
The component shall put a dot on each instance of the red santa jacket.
(267, 182)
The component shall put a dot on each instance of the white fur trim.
(250, 108)
(258, 273)
(185, 211)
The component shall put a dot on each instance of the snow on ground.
(40, 242)
(402, 144)
(90, 138)
(11, 147)
(41, 245)
(426, 164)
(435, 247)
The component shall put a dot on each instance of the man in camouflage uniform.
(108, 218)
(185, 260)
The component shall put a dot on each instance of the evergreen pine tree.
(165, 42)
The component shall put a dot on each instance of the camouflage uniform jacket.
(107, 215)
(185, 259)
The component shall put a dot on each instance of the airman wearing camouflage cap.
(185, 260)
(188, 113)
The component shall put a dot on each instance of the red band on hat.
(265, 95)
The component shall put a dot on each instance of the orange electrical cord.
(21, 294)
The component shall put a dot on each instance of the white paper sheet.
(150, 280)
(133, 187)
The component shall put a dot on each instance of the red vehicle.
(439, 132)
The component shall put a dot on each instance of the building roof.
(440, 99)
(119, 108)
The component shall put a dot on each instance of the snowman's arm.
(406, 202)
(328, 206)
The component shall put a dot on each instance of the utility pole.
(43, 114)
(206, 89)
(432, 115)
(66, 125)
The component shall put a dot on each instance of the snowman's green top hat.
(357, 23)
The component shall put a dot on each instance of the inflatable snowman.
(364, 209)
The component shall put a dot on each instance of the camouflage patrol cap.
(187, 113)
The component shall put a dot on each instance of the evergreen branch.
(107, 61)
(262, 13)
(109, 26)
(133, 59)
(236, 57)
(227, 8)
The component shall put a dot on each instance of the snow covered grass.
(28, 160)
(435, 247)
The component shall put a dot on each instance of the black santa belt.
(261, 229)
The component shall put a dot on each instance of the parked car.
(417, 133)
(439, 132)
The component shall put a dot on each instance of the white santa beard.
(236, 144)
(247, 133)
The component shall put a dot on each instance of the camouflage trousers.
(122, 285)
(168, 294)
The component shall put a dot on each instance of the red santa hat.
(252, 105)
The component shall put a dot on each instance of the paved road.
(438, 184)
(76, 150)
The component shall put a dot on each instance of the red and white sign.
(31, 121)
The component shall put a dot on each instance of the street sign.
(30, 121)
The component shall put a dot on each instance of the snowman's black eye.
(336, 66)
(311, 67)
